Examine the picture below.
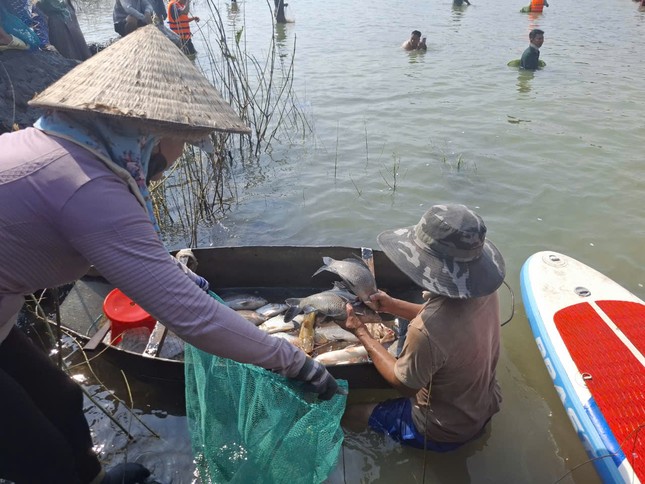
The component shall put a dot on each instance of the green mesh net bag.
(249, 425)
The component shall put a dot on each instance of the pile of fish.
(312, 322)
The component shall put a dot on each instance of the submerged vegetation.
(200, 188)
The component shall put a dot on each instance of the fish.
(355, 273)
(341, 289)
(330, 346)
(380, 332)
(252, 316)
(291, 338)
(277, 324)
(244, 301)
(272, 309)
(346, 356)
(325, 303)
(330, 331)
(306, 335)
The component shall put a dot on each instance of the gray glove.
(317, 379)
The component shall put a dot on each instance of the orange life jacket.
(537, 5)
(179, 25)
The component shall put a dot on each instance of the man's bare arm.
(382, 359)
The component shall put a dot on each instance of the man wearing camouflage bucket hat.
(447, 368)
(73, 193)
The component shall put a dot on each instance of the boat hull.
(276, 272)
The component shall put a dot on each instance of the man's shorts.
(394, 418)
(119, 27)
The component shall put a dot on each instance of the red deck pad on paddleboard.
(617, 380)
(630, 318)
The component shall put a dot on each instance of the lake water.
(551, 160)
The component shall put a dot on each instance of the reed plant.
(201, 188)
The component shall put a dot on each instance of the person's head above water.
(415, 42)
(536, 37)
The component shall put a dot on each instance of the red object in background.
(125, 314)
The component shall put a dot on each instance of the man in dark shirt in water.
(531, 56)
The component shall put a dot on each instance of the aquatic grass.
(356, 187)
(201, 187)
(336, 152)
(367, 151)
(391, 174)
(452, 161)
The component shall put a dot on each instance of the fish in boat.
(272, 309)
(252, 316)
(319, 349)
(381, 332)
(325, 303)
(277, 324)
(355, 273)
(327, 331)
(346, 356)
(306, 335)
(291, 338)
(244, 301)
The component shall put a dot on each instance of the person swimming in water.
(415, 42)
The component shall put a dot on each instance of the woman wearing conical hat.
(73, 193)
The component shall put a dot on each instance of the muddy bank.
(22, 75)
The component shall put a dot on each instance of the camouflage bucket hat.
(447, 253)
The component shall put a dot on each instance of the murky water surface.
(551, 160)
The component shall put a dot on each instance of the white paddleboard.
(591, 334)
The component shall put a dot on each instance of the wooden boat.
(273, 272)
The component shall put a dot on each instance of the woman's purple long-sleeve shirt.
(62, 210)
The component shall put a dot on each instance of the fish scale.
(355, 273)
(325, 303)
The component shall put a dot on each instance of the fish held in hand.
(340, 288)
(355, 273)
(324, 303)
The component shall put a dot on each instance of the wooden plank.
(99, 336)
(155, 343)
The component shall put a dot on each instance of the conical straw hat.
(145, 77)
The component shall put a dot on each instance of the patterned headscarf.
(125, 149)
